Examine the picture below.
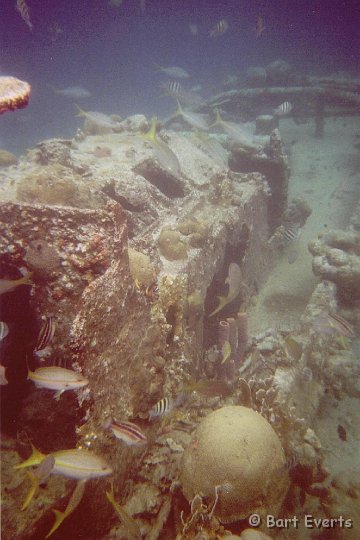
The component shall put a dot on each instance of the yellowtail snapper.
(73, 503)
(37, 477)
(73, 463)
(57, 378)
(129, 523)
(127, 432)
(195, 120)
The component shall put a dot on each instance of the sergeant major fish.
(23, 9)
(161, 408)
(219, 28)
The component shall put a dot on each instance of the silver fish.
(195, 120)
(57, 378)
(72, 92)
(283, 109)
(219, 28)
(4, 330)
(98, 118)
(173, 71)
(161, 408)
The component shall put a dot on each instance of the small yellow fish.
(74, 501)
(226, 352)
(73, 463)
(164, 155)
(37, 477)
(7, 285)
(129, 523)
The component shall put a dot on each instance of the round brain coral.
(235, 450)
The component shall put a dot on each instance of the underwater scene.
(180, 269)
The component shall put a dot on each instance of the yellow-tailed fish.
(7, 285)
(129, 523)
(98, 118)
(57, 378)
(195, 120)
(73, 463)
(37, 477)
(74, 501)
(164, 155)
(235, 132)
(234, 281)
(226, 352)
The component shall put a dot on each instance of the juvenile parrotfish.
(127, 432)
(57, 378)
(47, 331)
(74, 501)
(7, 285)
(73, 463)
(165, 156)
